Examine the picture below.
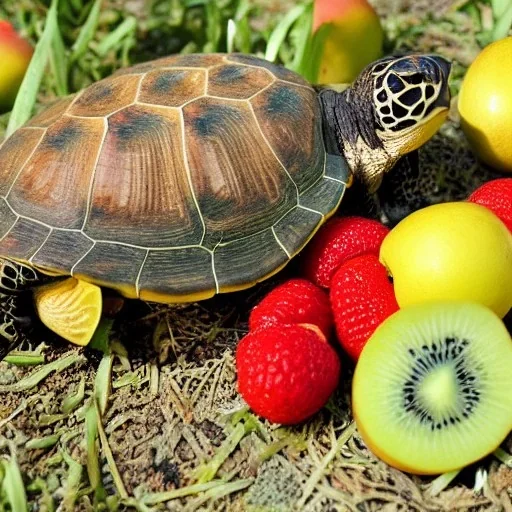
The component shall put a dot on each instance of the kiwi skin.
(376, 350)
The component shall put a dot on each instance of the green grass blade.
(310, 66)
(87, 32)
(499, 7)
(59, 64)
(126, 28)
(301, 35)
(103, 381)
(278, 35)
(503, 23)
(231, 35)
(12, 485)
(26, 98)
(92, 444)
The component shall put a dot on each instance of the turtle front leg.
(16, 310)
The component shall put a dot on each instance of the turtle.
(174, 180)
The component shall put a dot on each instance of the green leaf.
(278, 35)
(26, 98)
(87, 32)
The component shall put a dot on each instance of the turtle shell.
(171, 180)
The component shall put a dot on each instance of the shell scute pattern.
(52, 113)
(237, 82)
(278, 117)
(105, 97)
(145, 198)
(184, 183)
(245, 189)
(66, 155)
(172, 87)
(15, 152)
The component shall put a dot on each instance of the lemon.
(485, 104)
(451, 251)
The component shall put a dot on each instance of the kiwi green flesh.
(432, 389)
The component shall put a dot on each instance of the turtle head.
(398, 103)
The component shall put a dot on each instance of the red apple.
(16, 53)
(353, 38)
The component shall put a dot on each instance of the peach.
(16, 53)
(353, 40)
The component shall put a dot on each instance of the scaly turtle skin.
(192, 175)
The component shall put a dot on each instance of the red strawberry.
(296, 301)
(286, 373)
(497, 196)
(339, 240)
(361, 298)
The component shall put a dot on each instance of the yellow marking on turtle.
(175, 299)
(71, 308)
(25, 163)
(93, 174)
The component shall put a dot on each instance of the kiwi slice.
(432, 389)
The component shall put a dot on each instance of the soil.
(155, 422)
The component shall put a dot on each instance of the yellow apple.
(451, 251)
(354, 38)
(485, 104)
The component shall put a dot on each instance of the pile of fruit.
(419, 309)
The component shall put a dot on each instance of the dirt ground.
(154, 421)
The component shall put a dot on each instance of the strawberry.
(286, 373)
(361, 298)
(296, 301)
(497, 196)
(339, 240)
